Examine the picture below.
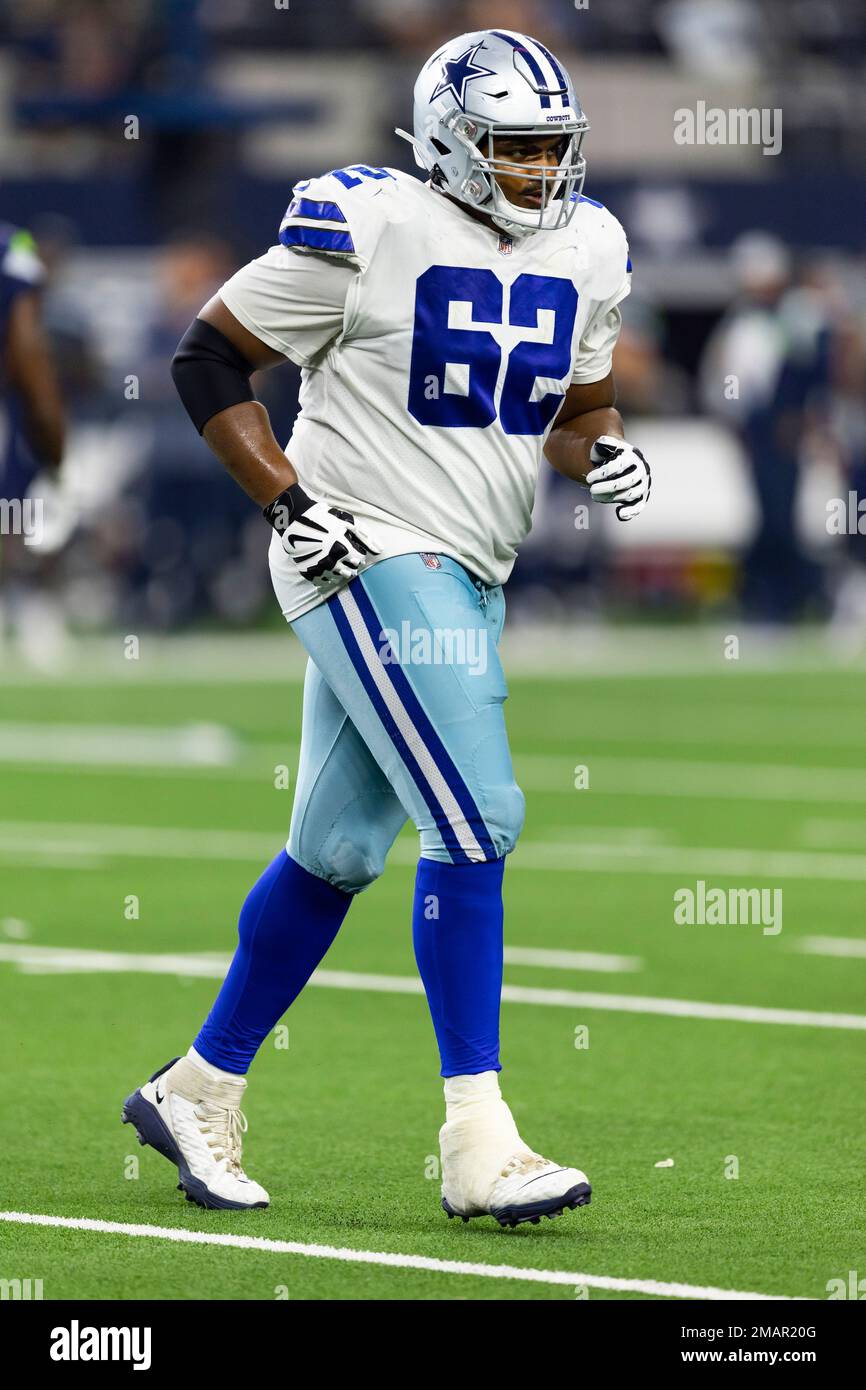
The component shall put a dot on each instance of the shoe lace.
(221, 1127)
(523, 1163)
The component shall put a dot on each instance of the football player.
(451, 330)
(32, 423)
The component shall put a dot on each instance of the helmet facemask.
(558, 187)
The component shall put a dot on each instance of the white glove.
(323, 540)
(622, 475)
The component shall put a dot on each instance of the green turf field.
(740, 774)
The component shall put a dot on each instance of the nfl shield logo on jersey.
(505, 245)
(431, 561)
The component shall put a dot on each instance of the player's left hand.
(621, 475)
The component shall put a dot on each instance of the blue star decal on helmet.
(459, 71)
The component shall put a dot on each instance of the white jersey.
(435, 353)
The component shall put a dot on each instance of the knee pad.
(504, 811)
(350, 865)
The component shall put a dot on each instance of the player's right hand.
(324, 541)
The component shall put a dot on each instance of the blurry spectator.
(91, 48)
(848, 414)
(715, 37)
(764, 370)
(665, 219)
(32, 434)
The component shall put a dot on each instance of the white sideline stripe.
(571, 960)
(402, 719)
(60, 858)
(62, 960)
(118, 745)
(50, 960)
(832, 946)
(65, 839)
(36, 960)
(651, 1287)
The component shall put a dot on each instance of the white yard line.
(571, 960)
(128, 746)
(136, 841)
(41, 960)
(45, 840)
(651, 1287)
(847, 946)
(209, 751)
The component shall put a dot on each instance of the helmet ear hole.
(439, 145)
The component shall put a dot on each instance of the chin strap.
(422, 156)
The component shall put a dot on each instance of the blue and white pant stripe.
(386, 739)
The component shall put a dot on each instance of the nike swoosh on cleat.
(530, 1181)
(159, 1098)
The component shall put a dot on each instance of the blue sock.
(287, 923)
(457, 932)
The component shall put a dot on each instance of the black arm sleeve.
(209, 373)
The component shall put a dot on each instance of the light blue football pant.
(403, 719)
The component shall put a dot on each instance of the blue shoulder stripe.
(583, 199)
(309, 207)
(317, 239)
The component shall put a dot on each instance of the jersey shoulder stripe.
(341, 213)
(316, 224)
(317, 239)
(311, 207)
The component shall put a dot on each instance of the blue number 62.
(436, 346)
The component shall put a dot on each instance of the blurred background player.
(31, 436)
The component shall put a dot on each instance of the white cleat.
(487, 1169)
(195, 1121)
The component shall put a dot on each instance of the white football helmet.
(497, 83)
